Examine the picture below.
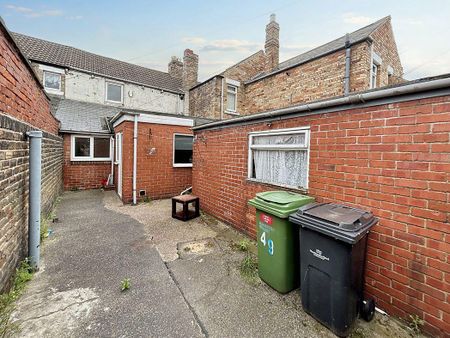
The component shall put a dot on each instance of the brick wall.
(155, 173)
(23, 107)
(204, 100)
(83, 174)
(392, 160)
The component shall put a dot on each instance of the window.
(231, 98)
(280, 157)
(182, 150)
(91, 148)
(114, 92)
(52, 81)
(374, 75)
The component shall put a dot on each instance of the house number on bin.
(268, 242)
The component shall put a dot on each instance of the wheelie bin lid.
(279, 203)
(335, 220)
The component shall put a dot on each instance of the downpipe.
(34, 210)
(135, 136)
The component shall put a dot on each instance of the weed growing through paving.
(416, 323)
(125, 284)
(23, 274)
(249, 269)
(244, 245)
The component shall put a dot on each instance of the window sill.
(116, 103)
(90, 159)
(54, 91)
(182, 165)
(229, 112)
(276, 185)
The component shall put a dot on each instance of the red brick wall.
(80, 174)
(155, 173)
(21, 95)
(392, 160)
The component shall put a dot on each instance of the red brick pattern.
(21, 95)
(155, 172)
(390, 159)
(83, 175)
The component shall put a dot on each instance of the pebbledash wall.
(23, 107)
(83, 174)
(392, 159)
(155, 171)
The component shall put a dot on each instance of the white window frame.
(181, 165)
(235, 92)
(121, 85)
(299, 130)
(376, 63)
(91, 157)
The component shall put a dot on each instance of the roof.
(69, 57)
(360, 35)
(76, 116)
(84, 117)
(411, 90)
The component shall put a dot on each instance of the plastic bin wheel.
(368, 309)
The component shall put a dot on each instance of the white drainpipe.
(135, 137)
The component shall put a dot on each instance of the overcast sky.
(222, 33)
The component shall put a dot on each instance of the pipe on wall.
(347, 65)
(135, 137)
(34, 210)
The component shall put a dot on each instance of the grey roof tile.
(69, 57)
(332, 46)
(86, 117)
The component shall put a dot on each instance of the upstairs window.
(231, 98)
(374, 76)
(114, 92)
(91, 148)
(280, 157)
(182, 150)
(52, 81)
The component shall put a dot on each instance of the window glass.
(374, 75)
(52, 80)
(281, 163)
(114, 92)
(231, 98)
(183, 149)
(82, 147)
(101, 147)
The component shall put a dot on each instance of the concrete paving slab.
(77, 293)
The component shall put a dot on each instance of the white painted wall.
(81, 86)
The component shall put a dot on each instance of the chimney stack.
(272, 45)
(190, 69)
(175, 68)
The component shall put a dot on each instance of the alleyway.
(185, 279)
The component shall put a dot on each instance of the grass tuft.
(249, 269)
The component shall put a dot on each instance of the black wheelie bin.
(333, 241)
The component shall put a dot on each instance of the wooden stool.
(185, 200)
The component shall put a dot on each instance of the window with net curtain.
(280, 157)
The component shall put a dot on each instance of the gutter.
(342, 102)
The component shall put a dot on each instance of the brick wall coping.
(8, 122)
(412, 90)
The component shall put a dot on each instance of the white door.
(119, 163)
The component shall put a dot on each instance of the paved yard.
(185, 279)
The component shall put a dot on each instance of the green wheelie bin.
(278, 241)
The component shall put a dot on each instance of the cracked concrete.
(185, 280)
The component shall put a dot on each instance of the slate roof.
(330, 47)
(69, 57)
(76, 116)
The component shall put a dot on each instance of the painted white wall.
(84, 87)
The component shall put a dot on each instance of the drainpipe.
(221, 101)
(347, 65)
(112, 148)
(135, 136)
(34, 216)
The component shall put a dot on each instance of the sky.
(222, 33)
